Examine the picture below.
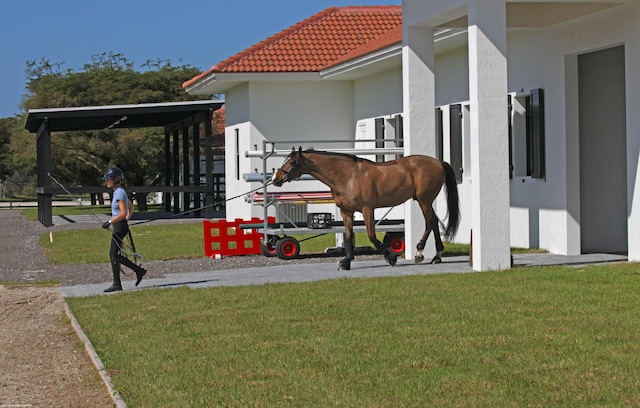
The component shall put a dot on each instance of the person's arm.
(130, 212)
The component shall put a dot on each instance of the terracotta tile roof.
(218, 121)
(332, 36)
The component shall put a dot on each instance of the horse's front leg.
(370, 222)
(345, 263)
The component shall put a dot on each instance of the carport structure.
(182, 122)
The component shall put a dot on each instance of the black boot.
(140, 272)
(113, 288)
(117, 284)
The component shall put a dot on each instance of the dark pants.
(116, 252)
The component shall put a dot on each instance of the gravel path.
(41, 364)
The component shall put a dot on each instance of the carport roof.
(117, 116)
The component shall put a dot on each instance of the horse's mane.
(344, 155)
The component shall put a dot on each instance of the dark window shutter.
(455, 136)
(536, 141)
(439, 135)
(379, 138)
(399, 133)
(510, 127)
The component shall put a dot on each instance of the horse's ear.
(300, 150)
(293, 149)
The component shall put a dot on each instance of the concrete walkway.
(321, 271)
(305, 272)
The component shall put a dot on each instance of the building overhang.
(220, 82)
(117, 116)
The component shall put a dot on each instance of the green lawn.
(534, 337)
(176, 241)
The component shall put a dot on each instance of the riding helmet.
(113, 173)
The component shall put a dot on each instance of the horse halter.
(295, 165)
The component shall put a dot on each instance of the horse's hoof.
(344, 266)
(391, 259)
(436, 259)
(418, 258)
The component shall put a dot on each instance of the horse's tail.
(453, 202)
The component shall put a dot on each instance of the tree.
(5, 138)
(110, 79)
(17, 158)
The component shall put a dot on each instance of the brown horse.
(361, 185)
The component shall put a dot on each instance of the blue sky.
(197, 32)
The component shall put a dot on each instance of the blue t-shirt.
(119, 194)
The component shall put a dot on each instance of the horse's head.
(291, 169)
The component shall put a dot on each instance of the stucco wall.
(377, 95)
(545, 213)
(283, 111)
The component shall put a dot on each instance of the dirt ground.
(42, 361)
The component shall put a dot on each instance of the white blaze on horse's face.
(276, 178)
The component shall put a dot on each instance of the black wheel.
(269, 249)
(394, 241)
(287, 248)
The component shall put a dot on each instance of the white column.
(418, 82)
(632, 67)
(489, 134)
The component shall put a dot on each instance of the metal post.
(208, 147)
(196, 165)
(43, 153)
(186, 197)
(176, 171)
(166, 198)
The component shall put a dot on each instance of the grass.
(537, 337)
(159, 242)
(175, 241)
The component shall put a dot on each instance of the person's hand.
(106, 225)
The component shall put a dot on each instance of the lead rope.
(207, 206)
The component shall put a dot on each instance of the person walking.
(120, 213)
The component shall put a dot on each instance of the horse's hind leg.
(439, 246)
(431, 224)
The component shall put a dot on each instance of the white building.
(537, 104)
